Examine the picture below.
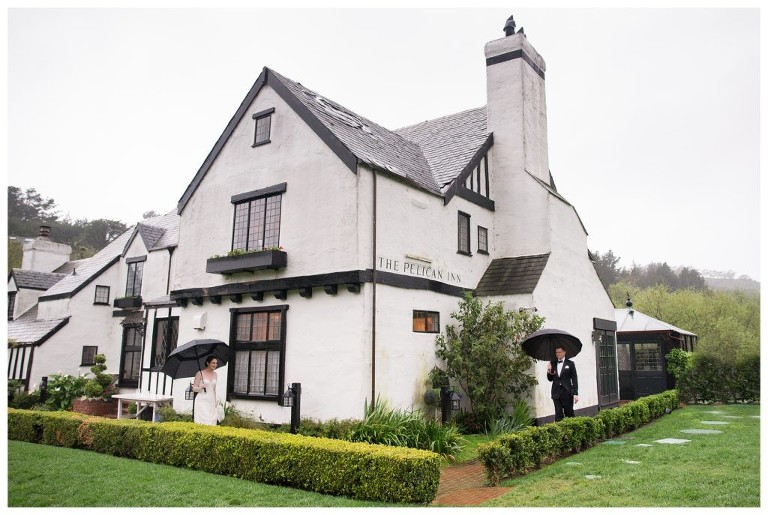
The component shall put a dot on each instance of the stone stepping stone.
(733, 416)
(643, 445)
(614, 442)
(701, 431)
(715, 422)
(754, 416)
(673, 441)
(631, 462)
(715, 412)
(573, 464)
(592, 476)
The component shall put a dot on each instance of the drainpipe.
(373, 307)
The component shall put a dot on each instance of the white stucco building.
(351, 244)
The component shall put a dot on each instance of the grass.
(713, 470)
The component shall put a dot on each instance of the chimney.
(517, 117)
(44, 255)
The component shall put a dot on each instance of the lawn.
(633, 470)
(713, 470)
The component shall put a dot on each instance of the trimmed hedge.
(720, 379)
(517, 453)
(334, 467)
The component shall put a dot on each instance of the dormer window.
(263, 126)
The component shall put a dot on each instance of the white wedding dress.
(205, 404)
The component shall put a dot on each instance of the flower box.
(250, 262)
(128, 302)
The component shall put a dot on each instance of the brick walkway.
(465, 485)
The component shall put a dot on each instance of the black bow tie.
(559, 361)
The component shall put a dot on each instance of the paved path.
(465, 485)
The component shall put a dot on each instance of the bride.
(206, 411)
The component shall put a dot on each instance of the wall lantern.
(288, 397)
(455, 402)
(450, 402)
(189, 393)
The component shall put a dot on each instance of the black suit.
(564, 387)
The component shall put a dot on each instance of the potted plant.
(128, 302)
(247, 261)
(97, 391)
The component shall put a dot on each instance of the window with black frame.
(88, 358)
(464, 243)
(101, 296)
(482, 240)
(257, 220)
(165, 339)
(263, 128)
(11, 304)
(426, 321)
(135, 273)
(259, 352)
(130, 366)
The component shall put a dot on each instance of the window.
(89, 355)
(426, 322)
(648, 357)
(135, 272)
(259, 352)
(165, 338)
(482, 240)
(263, 126)
(257, 219)
(464, 247)
(130, 359)
(11, 304)
(102, 295)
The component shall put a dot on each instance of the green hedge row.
(334, 467)
(720, 379)
(516, 453)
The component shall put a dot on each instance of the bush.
(715, 379)
(334, 467)
(63, 389)
(519, 419)
(517, 453)
(25, 400)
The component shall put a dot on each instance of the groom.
(561, 373)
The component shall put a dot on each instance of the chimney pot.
(45, 231)
(509, 27)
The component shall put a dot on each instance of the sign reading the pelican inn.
(418, 269)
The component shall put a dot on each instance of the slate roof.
(642, 323)
(512, 275)
(450, 142)
(157, 233)
(28, 329)
(35, 280)
(69, 266)
(429, 155)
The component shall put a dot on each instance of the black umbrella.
(541, 344)
(189, 359)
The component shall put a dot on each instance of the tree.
(605, 266)
(27, 210)
(482, 353)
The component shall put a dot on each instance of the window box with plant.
(247, 261)
(128, 302)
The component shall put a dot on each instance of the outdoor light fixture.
(288, 397)
(455, 401)
(189, 393)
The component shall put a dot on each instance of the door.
(641, 369)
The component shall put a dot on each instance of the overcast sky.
(653, 113)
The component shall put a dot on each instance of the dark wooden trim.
(418, 283)
(475, 198)
(353, 287)
(137, 259)
(53, 331)
(604, 325)
(197, 301)
(306, 292)
(515, 54)
(281, 294)
(265, 112)
(237, 298)
(215, 299)
(458, 182)
(331, 289)
(258, 296)
(263, 192)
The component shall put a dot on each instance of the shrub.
(517, 420)
(63, 389)
(716, 379)
(25, 400)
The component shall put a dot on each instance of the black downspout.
(373, 308)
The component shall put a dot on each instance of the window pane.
(243, 327)
(463, 233)
(133, 284)
(241, 372)
(258, 369)
(260, 327)
(272, 223)
(273, 372)
(482, 239)
(263, 125)
(622, 353)
(647, 357)
(256, 231)
(102, 295)
(274, 325)
(426, 321)
(240, 235)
